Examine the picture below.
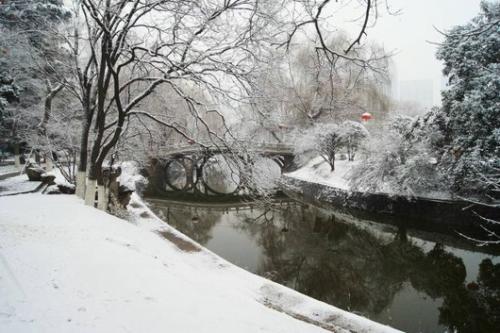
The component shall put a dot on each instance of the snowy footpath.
(66, 267)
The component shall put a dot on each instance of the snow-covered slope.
(66, 267)
(318, 171)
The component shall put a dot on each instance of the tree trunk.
(80, 183)
(48, 162)
(51, 93)
(102, 197)
(91, 189)
(97, 160)
(17, 155)
(90, 192)
(82, 164)
(332, 163)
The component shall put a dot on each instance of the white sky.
(408, 33)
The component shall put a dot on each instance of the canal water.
(414, 283)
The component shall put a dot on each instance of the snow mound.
(130, 177)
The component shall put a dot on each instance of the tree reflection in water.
(196, 223)
(355, 267)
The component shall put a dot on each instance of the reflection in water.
(176, 174)
(415, 286)
(217, 175)
(221, 175)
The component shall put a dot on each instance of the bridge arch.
(193, 169)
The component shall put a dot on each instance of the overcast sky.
(408, 33)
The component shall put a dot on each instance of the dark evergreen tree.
(29, 52)
(9, 92)
(471, 104)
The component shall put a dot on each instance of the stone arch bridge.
(198, 169)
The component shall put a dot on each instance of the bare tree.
(324, 140)
(300, 87)
(134, 47)
(315, 17)
(123, 51)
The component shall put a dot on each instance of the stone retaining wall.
(396, 209)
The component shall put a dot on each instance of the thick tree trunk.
(97, 174)
(80, 184)
(102, 197)
(90, 192)
(82, 163)
(91, 189)
(94, 176)
(97, 159)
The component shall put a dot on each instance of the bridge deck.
(263, 149)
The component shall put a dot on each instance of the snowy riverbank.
(318, 171)
(315, 184)
(66, 267)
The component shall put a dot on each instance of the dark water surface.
(376, 270)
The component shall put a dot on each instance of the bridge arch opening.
(266, 172)
(221, 175)
(179, 175)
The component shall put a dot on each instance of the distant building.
(420, 92)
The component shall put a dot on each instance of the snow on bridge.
(266, 149)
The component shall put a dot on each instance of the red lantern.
(366, 116)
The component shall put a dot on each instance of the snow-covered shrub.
(401, 160)
(353, 133)
(131, 179)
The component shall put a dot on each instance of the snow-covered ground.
(66, 267)
(17, 184)
(318, 171)
(8, 169)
